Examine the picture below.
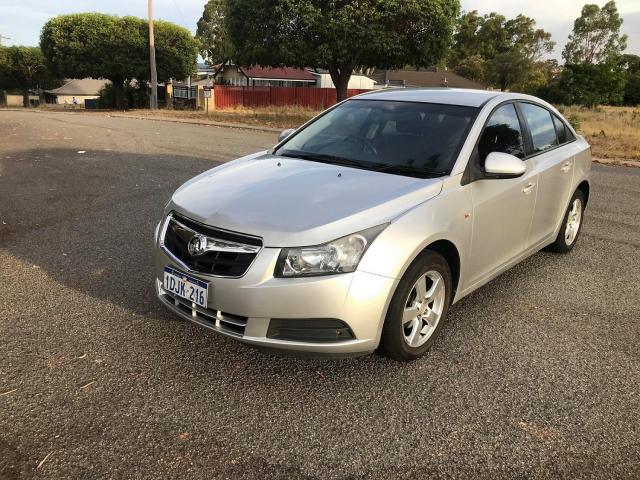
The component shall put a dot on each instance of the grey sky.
(22, 19)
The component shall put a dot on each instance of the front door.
(502, 208)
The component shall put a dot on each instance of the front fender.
(445, 217)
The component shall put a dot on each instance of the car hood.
(291, 202)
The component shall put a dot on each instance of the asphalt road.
(536, 375)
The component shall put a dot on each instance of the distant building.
(357, 81)
(430, 77)
(230, 74)
(204, 69)
(81, 90)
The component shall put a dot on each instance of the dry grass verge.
(276, 117)
(613, 132)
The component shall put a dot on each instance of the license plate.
(187, 287)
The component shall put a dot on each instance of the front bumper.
(242, 308)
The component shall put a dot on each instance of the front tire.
(418, 308)
(571, 225)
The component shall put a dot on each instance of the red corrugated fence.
(317, 98)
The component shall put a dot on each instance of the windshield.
(404, 138)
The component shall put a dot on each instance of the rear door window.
(541, 126)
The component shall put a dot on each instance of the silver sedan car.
(360, 228)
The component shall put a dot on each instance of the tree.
(590, 85)
(465, 41)
(215, 46)
(340, 35)
(596, 36)
(632, 90)
(544, 72)
(509, 51)
(116, 48)
(630, 65)
(493, 34)
(472, 67)
(508, 68)
(24, 69)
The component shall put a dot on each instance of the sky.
(21, 20)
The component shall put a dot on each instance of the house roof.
(285, 73)
(425, 78)
(323, 71)
(80, 87)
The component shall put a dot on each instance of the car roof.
(448, 96)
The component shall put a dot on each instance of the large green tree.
(472, 67)
(509, 51)
(596, 36)
(116, 48)
(215, 46)
(591, 85)
(630, 65)
(341, 35)
(24, 69)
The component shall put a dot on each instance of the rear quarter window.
(561, 130)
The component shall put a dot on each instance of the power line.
(2, 37)
(184, 21)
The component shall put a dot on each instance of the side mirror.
(503, 165)
(286, 134)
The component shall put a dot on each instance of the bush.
(575, 120)
(134, 97)
(590, 85)
(632, 90)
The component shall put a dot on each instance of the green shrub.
(134, 97)
(575, 120)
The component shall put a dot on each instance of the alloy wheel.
(423, 308)
(573, 222)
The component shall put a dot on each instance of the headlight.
(338, 256)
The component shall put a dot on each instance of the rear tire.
(418, 308)
(571, 225)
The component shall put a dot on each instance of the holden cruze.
(362, 227)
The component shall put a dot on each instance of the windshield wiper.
(411, 171)
(325, 158)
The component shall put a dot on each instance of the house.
(230, 74)
(357, 81)
(206, 70)
(80, 89)
(430, 77)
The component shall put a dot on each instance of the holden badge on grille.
(197, 245)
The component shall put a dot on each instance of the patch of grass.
(275, 117)
(613, 132)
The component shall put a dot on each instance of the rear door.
(549, 151)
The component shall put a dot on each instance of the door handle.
(566, 167)
(528, 188)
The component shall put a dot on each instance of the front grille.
(214, 319)
(181, 230)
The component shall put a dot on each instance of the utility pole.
(153, 101)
